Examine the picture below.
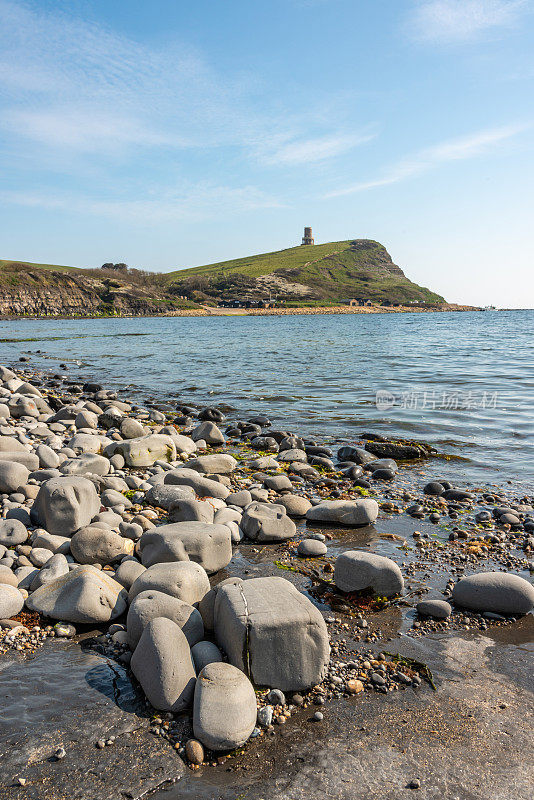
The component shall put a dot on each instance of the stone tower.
(308, 237)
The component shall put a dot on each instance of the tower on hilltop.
(308, 237)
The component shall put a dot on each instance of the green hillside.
(264, 263)
(359, 269)
(31, 265)
(355, 268)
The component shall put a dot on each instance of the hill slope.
(311, 274)
(355, 268)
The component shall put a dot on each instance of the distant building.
(353, 302)
(308, 237)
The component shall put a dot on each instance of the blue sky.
(170, 134)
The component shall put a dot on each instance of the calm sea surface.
(462, 381)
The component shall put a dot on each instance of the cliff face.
(27, 292)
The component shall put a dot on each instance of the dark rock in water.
(232, 431)
(400, 448)
(183, 420)
(267, 443)
(416, 510)
(362, 483)
(383, 474)
(509, 519)
(321, 461)
(456, 494)
(434, 488)
(381, 463)
(265, 422)
(90, 388)
(355, 454)
(483, 516)
(446, 484)
(189, 411)
(248, 429)
(211, 414)
(353, 472)
(279, 436)
(291, 443)
(374, 437)
(313, 450)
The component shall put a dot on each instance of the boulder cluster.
(86, 479)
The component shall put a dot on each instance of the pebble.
(318, 716)
(194, 751)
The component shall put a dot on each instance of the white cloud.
(456, 21)
(304, 151)
(70, 85)
(453, 150)
(192, 204)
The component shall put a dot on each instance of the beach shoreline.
(209, 311)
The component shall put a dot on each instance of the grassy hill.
(355, 268)
(306, 275)
(31, 265)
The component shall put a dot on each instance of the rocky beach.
(190, 604)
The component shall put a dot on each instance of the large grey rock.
(131, 429)
(225, 708)
(11, 601)
(144, 451)
(85, 595)
(207, 545)
(39, 556)
(12, 476)
(499, 592)
(26, 576)
(94, 545)
(128, 571)
(7, 576)
(295, 505)
(164, 496)
(215, 463)
(163, 665)
(12, 532)
(57, 544)
(24, 457)
(86, 464)
(88, 443)
(65, 505)
(55, 567)
(21, 406)
(10, 444)
(344, 512)
(209, 432)
(182, 579)
(272, 632)
(309, 548)
(207, 604)
(438, 609)
(151, 604)
(267, 522)
(48, 458)
(191, 510)
(355, 570)
(86, 419)
(293, 454)
(184, 444)
(111, 498)
(204, 487)
(205, 653)
(241, 499)
(278, 483)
